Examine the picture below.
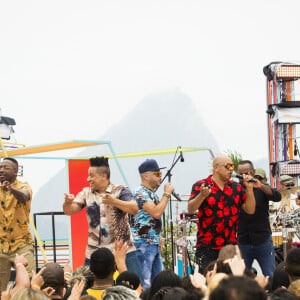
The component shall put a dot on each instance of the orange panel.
(78, 170)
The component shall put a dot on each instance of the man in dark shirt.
(254, 232)
(219, 201)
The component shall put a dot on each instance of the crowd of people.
(123, 257)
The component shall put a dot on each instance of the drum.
(187, 216)
(277, 238)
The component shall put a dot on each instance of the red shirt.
(218, 213)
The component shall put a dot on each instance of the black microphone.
(175, 195)
(241, 177)
(181, 155)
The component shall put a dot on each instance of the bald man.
(219, 201)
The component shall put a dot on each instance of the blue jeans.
(264, 253)
(150, 262)
(132, 263)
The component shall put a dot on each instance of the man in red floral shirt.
(219, 201)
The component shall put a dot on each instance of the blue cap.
(149, 165)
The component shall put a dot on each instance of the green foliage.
(166, 251)
(235, 156)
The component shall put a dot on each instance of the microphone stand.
(169, 175)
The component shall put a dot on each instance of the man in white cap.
(290, 203)
(146, 227)
(288, 190)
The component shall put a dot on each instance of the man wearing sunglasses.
(254, 232)
(219, 201)
(146, 227)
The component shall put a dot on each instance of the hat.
(260, 172)
(286, 179)
(149, 165)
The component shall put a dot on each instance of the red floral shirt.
(218, 213)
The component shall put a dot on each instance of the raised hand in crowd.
(121, 249)
(22, 277)
(210, 274)
(77, 290)
(37, 280)
(49, 291)
(237, 264)
(6, 295)
(262, 280)
(21, 259)
(67, 272)
(197, 279)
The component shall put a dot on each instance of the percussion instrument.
(277, 236)
(188, 216)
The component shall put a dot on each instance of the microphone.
(241, 177)
(181, 155)
(175, 195)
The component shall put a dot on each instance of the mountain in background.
(159, 121)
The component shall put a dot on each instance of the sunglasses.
(157, 173)
(228, 166)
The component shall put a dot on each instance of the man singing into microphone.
(219, 201)
(254, 233)
(147, 223)
(15, 236)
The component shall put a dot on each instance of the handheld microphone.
(181, 155)
(241, 177)
(175, 195)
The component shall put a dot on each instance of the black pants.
(205, 255)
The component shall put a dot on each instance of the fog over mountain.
(160, 121)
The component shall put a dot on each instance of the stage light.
(286, 71)
(6, 126)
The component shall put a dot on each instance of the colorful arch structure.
(76, 175)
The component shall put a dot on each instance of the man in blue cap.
(147, 223)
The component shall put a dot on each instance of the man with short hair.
(103, 266)
(238, 288)
(292, 264)
(108, 206)
(219, 201)
(147, 223)
(53, 276)
(260, 174)
(15, 236)
(254, 232)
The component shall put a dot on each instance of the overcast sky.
(71, 69)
